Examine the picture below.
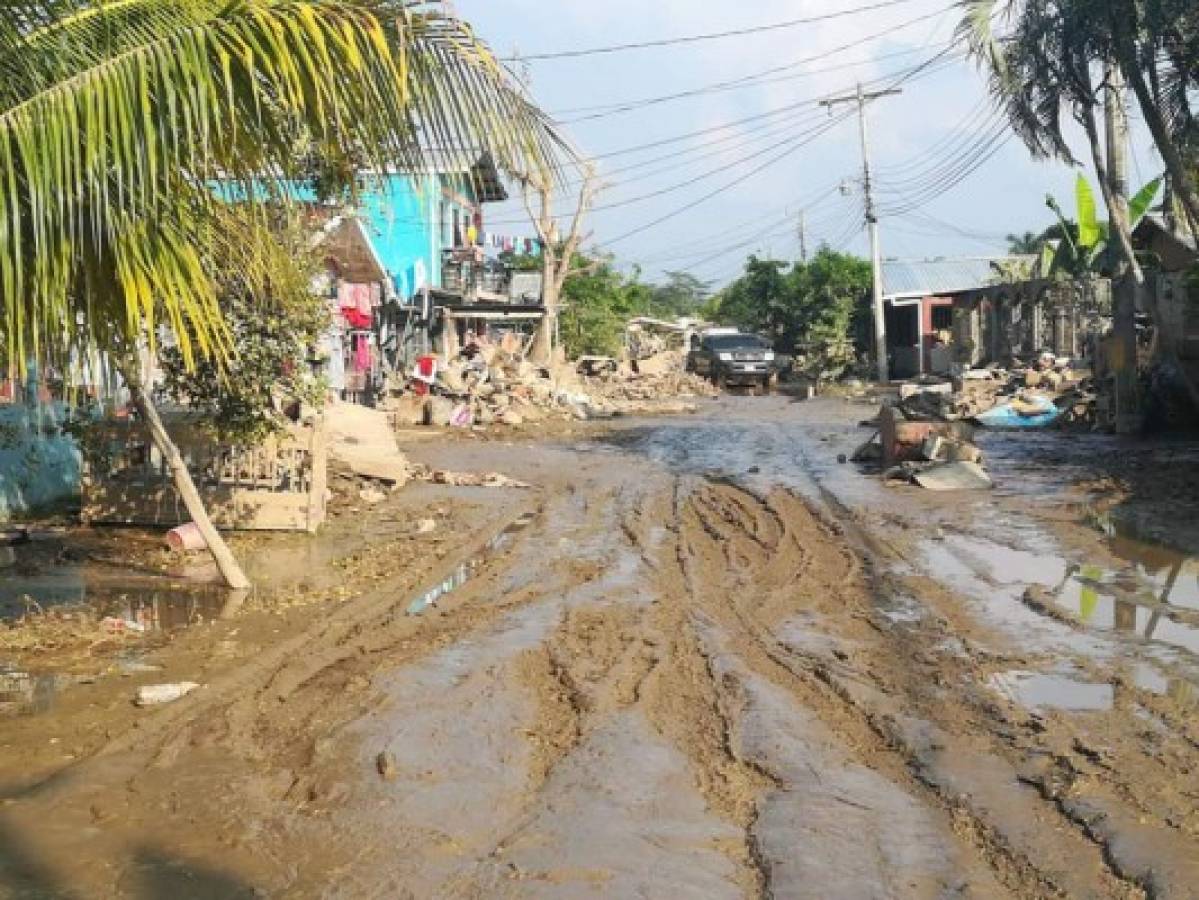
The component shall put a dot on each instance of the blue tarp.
(1006, 416)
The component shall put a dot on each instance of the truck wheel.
(718, 381)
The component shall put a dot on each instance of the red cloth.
(362, 355)
(355, 319)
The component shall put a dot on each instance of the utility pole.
(803, 236)
(880, 322)
(1124, 287)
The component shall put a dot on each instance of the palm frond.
(116, 116)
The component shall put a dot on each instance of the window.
(942, 318)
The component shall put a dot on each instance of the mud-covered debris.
(155, 694)
(371, 495)
(426, 526)
(495, 385)
(954, 476)
(385, 763)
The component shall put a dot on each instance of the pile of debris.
(495, 385)
(934, 454)
(1047, 392)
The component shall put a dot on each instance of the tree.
(683, 295)
(1043, 64)
(1027, 244)
(819, 302)
(599, 301)
(272, 338)
(1085, 247)
(116, 118)
(558, 254)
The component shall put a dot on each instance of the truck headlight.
(726, 357)
(768, 356)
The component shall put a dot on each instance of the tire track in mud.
(719, 527)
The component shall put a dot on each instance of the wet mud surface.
(700, 658)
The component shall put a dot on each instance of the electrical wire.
(699, 38)
(907, 76)
(752, 80)
(731, 184)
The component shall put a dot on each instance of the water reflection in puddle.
(467, 570)
(1047, 690)
(142, 603)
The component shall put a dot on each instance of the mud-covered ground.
(699, 658)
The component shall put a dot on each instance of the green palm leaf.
(1089, 231)
(114, 117)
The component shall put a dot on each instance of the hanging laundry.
(362, 353)
(472, 235)
(363, 297)
(346, 297)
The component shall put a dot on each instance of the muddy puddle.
(143, 603)
(467, 570)
(1064, 689)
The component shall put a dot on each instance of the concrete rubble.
(926, 435)
(1047, 391)
(487, 386)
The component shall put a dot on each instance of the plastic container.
(186, 537)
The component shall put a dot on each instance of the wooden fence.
(278, 485)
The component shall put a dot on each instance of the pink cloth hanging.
(362, 357)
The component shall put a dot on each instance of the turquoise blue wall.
(406, 216)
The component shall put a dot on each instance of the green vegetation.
(598, 300)
(813, 305)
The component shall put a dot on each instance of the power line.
(793, 142)
(922, 69)
(730, 185)
(754, 79)
(698, 38)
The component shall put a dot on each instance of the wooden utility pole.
(803, 236)
(876, 259)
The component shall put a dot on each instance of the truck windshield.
(735, 342)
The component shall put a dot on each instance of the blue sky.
(915, 135)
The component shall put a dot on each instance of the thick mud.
(702, 658)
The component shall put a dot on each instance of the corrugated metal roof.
(930, 277)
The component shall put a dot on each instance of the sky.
(702, 203)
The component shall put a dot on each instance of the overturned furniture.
(277, 485)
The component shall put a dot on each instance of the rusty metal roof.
(942, 275)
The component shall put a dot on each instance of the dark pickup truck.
(733, 360)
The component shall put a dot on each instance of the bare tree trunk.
(557, 256)
(229, 568)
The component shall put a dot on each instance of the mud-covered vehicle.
(732, 359)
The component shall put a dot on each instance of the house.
(416, 244)
(1172, 293)
(918, 302)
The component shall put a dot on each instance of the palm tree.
(1027, 244)
(1042, 63)
(117, 116)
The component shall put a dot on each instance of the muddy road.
(699, 658)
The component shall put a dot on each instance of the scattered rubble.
(155, 694)
(486, 386)
(926, 437)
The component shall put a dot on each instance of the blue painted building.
(416, 221)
